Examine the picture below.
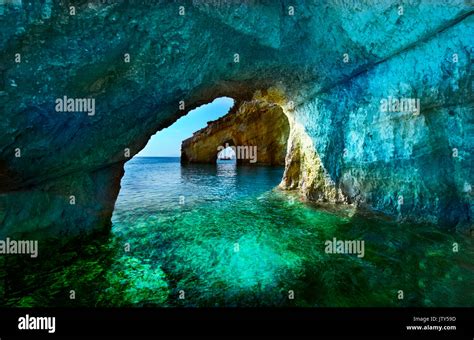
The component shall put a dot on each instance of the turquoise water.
(223, 235)
(235, 240)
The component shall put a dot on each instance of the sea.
(225, 235)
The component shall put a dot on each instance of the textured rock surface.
(255, 124)
(343, 147)
(401, 163)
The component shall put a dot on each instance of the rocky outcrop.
(333, 61)
(257, 130)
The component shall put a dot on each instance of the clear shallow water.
(235, 240)
(238, 241)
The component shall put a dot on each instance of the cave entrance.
(179, 219)
(216, 150)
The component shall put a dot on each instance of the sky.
(167, 142)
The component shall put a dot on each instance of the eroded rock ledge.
(254, 124)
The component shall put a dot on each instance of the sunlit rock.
(257, 131)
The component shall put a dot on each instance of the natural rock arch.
(257, 130)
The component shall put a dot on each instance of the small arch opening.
(227, 155)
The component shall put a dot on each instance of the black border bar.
(133, 323)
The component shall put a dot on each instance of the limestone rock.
(256, 125)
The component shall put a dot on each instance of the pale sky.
(167, 142)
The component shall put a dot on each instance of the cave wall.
(255, 124)
(191, 58)
(415, 166)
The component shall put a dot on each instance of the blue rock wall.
(415, 165)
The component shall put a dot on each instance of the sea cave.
(350, 181)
